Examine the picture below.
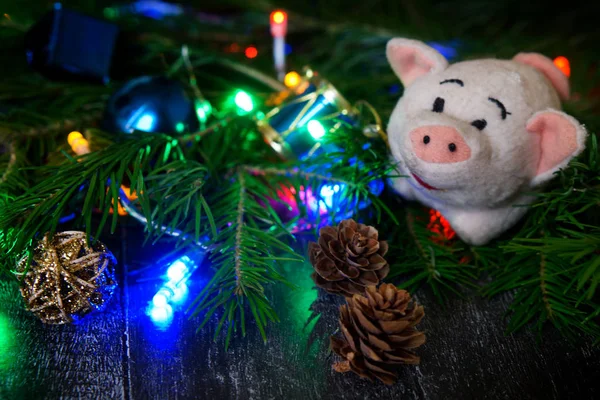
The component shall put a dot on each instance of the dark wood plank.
(121, 354)
(467, 354)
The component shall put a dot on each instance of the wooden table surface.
(121, 354)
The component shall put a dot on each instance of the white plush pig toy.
(475, 139)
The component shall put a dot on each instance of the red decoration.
(233, 48)
(563, 64)
(251, 52)
(440, 225)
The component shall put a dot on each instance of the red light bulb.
(563, 64)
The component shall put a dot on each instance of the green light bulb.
(7, 344)
(110, 13)
(316, 129)
(243, 101)
(203, 110)
(179, 127)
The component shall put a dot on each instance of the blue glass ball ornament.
(151, 104)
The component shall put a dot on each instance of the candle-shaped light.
(278, 31)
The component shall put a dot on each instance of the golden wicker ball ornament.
(67, 278)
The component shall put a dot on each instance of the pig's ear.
(411, 59)
(559, 138)
(547, 67)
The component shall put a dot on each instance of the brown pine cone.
(348, 258)
(379, 333)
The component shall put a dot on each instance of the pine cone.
(379, 333)
(348, 258)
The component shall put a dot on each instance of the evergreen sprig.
(192, 186)
(244, 255)
(90, 182)
(428, 258)
(553, 262)
(549, 261)
(545, 289)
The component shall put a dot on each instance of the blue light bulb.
(172, 293)
(179, 291)
(161, 315)
(177, 271)
(327, 194)
(161, 298)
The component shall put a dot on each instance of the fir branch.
(567, 211)
(543, 288)
(13, 181)
(11, 131)
(10, 165)
(423, 257)
(94, 179)
(554, 276)
(544, 291)
(238, 234)
(243, 256)
(296, 172)
(410, 224)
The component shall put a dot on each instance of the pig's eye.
(479, 124)
(438, 105)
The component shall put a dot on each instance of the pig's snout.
(439, 144)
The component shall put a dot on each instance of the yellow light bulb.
(292, 79)
(278, 17)
(73, 136)
(79, 142)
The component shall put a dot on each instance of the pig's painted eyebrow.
(457, 81)
(499, 104)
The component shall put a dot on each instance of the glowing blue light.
(161, 315)
(288, 49)
(66, 218)
(145, 123)
(327, 194)
(447, 50)
(161, 298)
(57, 6)
(179, 292)
(394, 89)
(312, 112)
(177, 271)
(173, 292)
(156, 9)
